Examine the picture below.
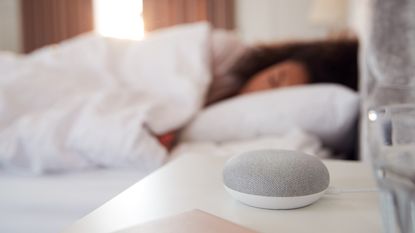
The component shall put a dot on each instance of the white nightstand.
(195, 182)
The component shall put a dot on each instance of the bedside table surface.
(195, 182)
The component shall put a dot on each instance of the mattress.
(47, 204)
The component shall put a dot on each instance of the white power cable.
(334, 190)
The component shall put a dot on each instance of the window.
(119, 18)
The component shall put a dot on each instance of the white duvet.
(93, 101)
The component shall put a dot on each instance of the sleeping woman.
(275, 66)
(268, 67)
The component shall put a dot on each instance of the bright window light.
(119, 18)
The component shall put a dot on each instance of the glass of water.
(392, 148)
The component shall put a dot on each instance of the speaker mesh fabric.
(279, 173)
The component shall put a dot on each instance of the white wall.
(270, 20)
(359, 16)
(10, 26)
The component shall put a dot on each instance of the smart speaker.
(276, 179)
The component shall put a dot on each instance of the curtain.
(164, 13)
(51, 21)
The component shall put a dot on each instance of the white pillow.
(328, 111)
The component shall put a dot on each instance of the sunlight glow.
(119, 18)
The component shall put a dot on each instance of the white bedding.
(295, 139)
(94, 101)
(91, 103)
(277, 111)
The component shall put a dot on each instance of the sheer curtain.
(164, 13)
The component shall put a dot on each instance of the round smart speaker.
(276, 179)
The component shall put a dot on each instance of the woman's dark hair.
(326, 61)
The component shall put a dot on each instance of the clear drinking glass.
(392, 148)
(388, 91)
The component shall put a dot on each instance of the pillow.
(328, 111)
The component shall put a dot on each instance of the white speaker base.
(279, 203)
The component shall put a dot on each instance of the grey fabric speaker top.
(279, 173)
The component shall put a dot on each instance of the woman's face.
(282, 74)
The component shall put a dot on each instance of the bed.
(78, 120)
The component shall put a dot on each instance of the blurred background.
(29, 24)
